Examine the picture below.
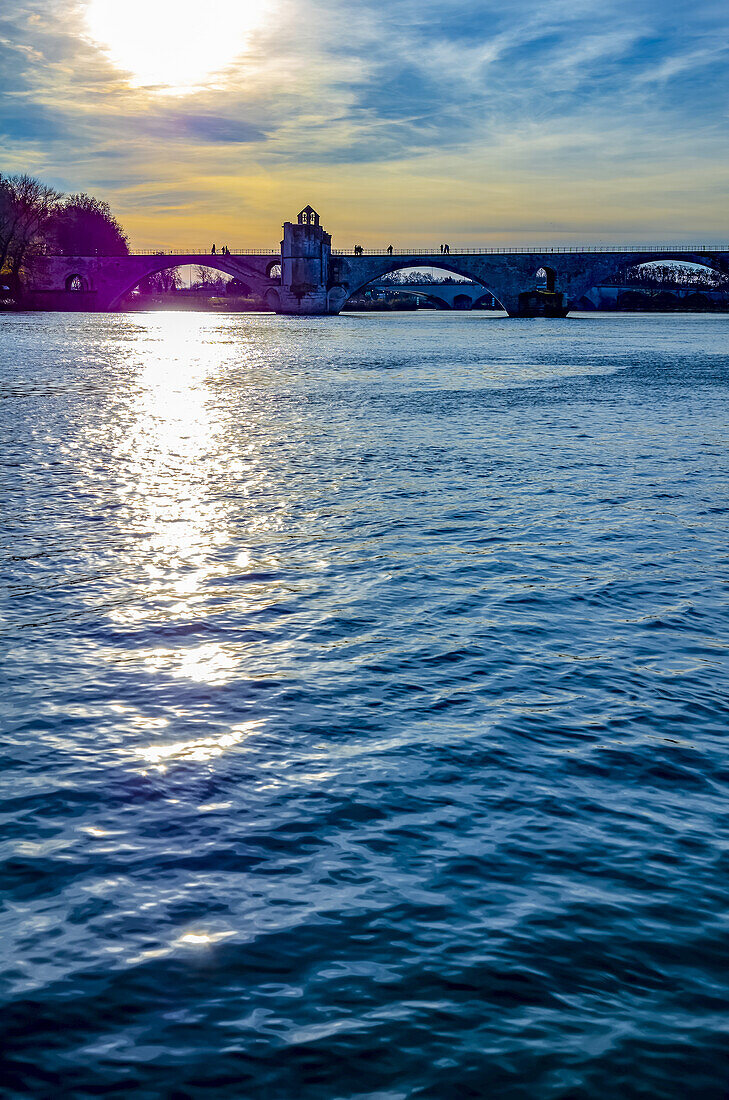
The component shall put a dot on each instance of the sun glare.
(174, 45)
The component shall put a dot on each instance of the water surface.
(365, 706)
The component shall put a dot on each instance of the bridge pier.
(541, 303)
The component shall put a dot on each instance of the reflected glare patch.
(199, 750)
(209, 663)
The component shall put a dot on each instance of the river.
(365, 706)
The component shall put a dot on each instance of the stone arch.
(706, 260)
(546, 278)
(377, 267)
(487, 301)
(602, 268)
(273, 271)
(226, 265)
(696, 300)
(462, 301)
(434, 299)
(76, 283)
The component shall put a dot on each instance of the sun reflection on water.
(209, 663)
(176, 490)
(171, 465)
(195, 511)
(167, 450)
(201, 749)
(195, 938)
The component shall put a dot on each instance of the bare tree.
(208, 279)
(26, 207)
(162, 282)
(671, 273)
(9, 216)
(200, 279)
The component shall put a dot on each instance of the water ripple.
(365, 706)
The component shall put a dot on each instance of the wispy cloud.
(499, 117)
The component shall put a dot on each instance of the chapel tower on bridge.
(306, 252)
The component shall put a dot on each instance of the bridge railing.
(530, 251)
(397, 252)
(205, 252)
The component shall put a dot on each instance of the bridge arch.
(603, 268)
(77, 283)
(462, 301)
(546, 278)
(486, 301)
(160, 262)
(433, 298)
(378, 267)
(689, 266)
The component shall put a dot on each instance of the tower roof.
(308, 216)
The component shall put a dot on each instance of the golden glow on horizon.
(174, 45)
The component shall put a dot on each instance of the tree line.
(655, 276)
(413, 277)
(37, 220)
(205, 280)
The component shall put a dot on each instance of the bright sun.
(173, 44)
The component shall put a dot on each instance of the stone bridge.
(101, 282)
(305, 276)
(444, 295)
(514, 278)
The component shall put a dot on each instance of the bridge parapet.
(314, 279)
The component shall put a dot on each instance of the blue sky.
(406, 120)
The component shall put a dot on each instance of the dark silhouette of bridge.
(306, 276)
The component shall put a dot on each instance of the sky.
(408, 122)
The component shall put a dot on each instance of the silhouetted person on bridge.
(446, 250)
(389, 250)
(212, 251)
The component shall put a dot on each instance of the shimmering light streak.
(201, 749)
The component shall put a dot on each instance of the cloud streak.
(465, 118)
